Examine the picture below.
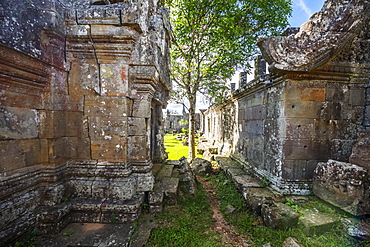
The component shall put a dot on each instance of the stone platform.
(117, 232)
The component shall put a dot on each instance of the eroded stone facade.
(82, 87)
(310, 108)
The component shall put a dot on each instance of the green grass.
(175, 149)
(259, 235)
(189, 223)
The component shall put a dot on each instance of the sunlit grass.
(175, 149)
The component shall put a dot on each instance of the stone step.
(314, 222)
(91, 234)
(165, 187)
(166, 171)
(54, 218)
(235, 171)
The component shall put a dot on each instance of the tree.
(213, 38)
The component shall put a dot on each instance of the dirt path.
(229, 236)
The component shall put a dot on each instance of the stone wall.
(310, 108)
(82, 85)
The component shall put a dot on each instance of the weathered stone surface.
(291, 242)
(91, 234)
(356, 228)
(84, 78)
(201, 166)
(279, 216)
(361, 151)
(315, 223)
(309, 110)
(82, 87)
(106, 106)
(344, 185)
(256, 197)
(18, 123)
(291, 53)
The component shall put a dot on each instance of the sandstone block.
(46, 126)
(99, 16)
(344, 185)
(114, 79)
(299, 170)
(75, 124)
(312, 94)
(201, 166)
(18, 154)
(32, 99)
(60, 123)
(141, 105)
(63, 102)
(306, 149)
(145, 182)
(67, 148)
(138, 149)
(357, 96)
(361, 151)
(315, 223)
(112, 150)
(279, 216)
(84, 78)
(106, 106)
(137, 126)
(297, 128)
(302, 109)
(106, 127)
(18, 123)
(118, 188)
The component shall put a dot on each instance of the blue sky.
(302, 11)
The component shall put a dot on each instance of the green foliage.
(68, 233)
(265, 182)
(186, 224)
(31, 239)
(113, 218)
(185, 131)
(213, 38)
(293, 205)
(64, 199)
(251, 225)
(183, 122)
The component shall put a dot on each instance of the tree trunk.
(192, 121)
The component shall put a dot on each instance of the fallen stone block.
(201, 166)
(279, 216)
(256, 197)
(344, 185)
(314, 222)
(357, 229)
(169, 186)
(166, 171)
(291, 242)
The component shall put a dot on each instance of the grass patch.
(251, 225)
(189, 223)
(175, 149)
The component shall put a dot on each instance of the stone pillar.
(259, 66)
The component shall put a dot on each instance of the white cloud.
(304, 7)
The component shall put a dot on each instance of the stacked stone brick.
(312, 107)
(82, 85)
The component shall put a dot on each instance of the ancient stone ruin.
(305, 126)
(82, 87)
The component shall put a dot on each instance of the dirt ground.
(229, 236)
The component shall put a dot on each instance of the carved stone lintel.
(319, 40)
